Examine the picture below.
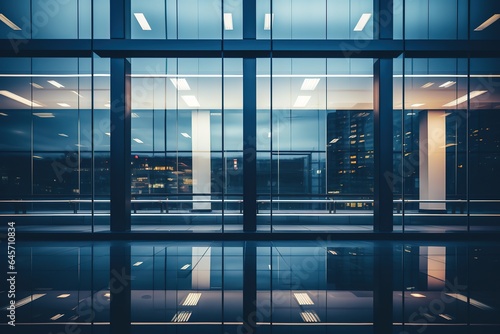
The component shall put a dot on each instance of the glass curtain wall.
(444, 154)
(314, 143)
(187, 143)
(53, 145)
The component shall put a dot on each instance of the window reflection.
(445, 286)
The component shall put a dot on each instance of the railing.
(315, 206)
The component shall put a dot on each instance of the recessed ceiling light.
(137, 140)
(332, 251)
(180, 84)
(417, 295)
(447, 84)
(416, 105)
(65, 105)
(181, 316)
(107, 133)
(184, 267)
(142, 21)
(44, 114)
(303, 298)
(55, 83)
(192, 299)
(64, 295)
(76, 93)
(268, 21)
(8, 22)
(18, 98)
(309, 316)
(488, 22)
(464, 98)
(57, 316)
(445, 316)
(135, 115)
(137, 264)
(37, 157)
(427, 85)
(310, 84)
(107, 295)
(3, 114)
(363, 20)
(301, 101)
(191, 100)
(107, 105)
(185, 135)
(63, 135)
(228, 21)
(334, 140)
(36, 85)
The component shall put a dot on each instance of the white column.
(432, 156)
(200, 124)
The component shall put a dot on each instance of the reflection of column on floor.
(120, 306)
(200, 121)
(432, 156)
(433, 265)
(200, 275)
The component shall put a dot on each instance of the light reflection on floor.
(260, 287)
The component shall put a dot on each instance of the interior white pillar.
(200, 125)
(432, 156)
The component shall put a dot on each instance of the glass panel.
(318, 19)
(187, 143)
(48, 19)
(47, 124)
(321, 127)
(434, 140)
(484, 148)
(484, 15)
(425, 19)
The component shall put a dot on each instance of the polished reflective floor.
(255, 287)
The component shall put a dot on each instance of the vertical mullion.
(249, 145)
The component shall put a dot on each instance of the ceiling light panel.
(55, 83)
(363, 20)
(18, 98)
(192, 299)
(268, 21)
(464, 98)
(180, 84)
(8, 22)
(228, 21)
(488, 22)
(303, 298)
(310, 316)
(310, 84)
(143, 22)
(191, 100)
(301, 101)
(447, 84)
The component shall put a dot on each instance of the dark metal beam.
(249, 145)
(120, 19)
(383, 159)
(249, 19)
(383, 19)
(120, 144)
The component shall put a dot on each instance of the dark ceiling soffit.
(45, 48)
(249, 48)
